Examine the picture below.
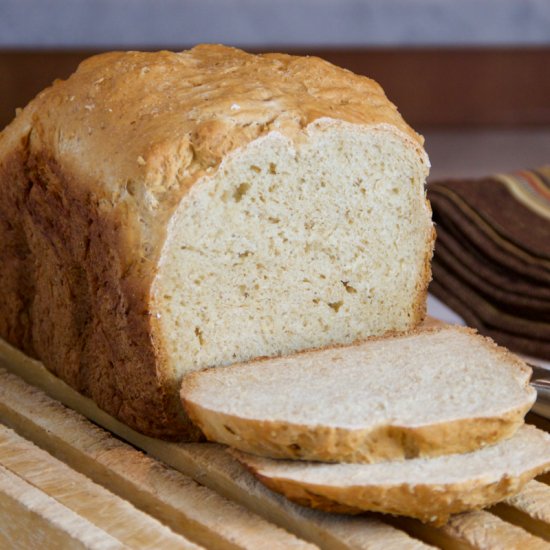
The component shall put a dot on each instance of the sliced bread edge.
(390, 441)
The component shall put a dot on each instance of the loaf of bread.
(165, 212)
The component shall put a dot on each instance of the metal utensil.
(541, 382)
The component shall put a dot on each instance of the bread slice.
(166, 212)
(430, 489)
(427, 393)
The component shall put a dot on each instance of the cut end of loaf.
(296, 244)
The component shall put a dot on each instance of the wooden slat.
(66, 434)
(211, 465)
(530, 509)
(31, 519)
(89, 500)
(171, 497)
(221, 472)
(479, 530)
(484, 531)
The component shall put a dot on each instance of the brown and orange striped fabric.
(492, 256)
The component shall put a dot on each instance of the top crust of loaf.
(194, 107)
(138, 128)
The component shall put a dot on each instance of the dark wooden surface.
(432, 87)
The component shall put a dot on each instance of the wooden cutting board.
(72, 476)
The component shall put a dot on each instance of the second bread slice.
(428, 489)
(422, 394)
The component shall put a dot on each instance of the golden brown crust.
(429, 503)
(88, 320)
(332, 444)
(91, 171)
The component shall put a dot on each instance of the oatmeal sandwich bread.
(161, 213)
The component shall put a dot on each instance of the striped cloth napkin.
(492, 256)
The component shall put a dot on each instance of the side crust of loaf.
(72, 295)
(277, 439)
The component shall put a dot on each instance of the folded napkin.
(492, 255)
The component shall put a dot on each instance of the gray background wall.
(150, 23)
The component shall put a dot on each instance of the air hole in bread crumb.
(198, 334)
(255, 168)
(273, 220)
(336, 305)
(242, 288)
(348, 287)
(240, 192)
(245, 254)
(229, 429)
(272, 168)
(315, 300)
